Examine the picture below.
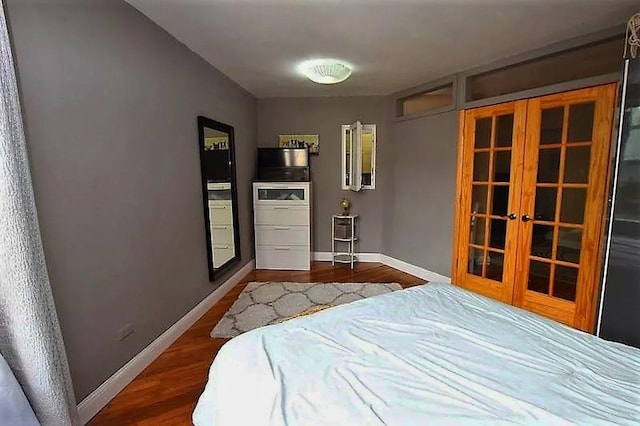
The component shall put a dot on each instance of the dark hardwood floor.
(166, 392)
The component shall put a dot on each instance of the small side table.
(344, 233)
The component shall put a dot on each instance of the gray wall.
(110, 101)
(420, 230)
(110, 104)
(324, 116)
(409, 215)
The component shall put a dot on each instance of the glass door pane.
(492, 146)
(566, 157)
(491, 149)
(560, 199)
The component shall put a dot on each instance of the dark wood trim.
(225, 128)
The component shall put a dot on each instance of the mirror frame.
(225, 128)
(357, 130)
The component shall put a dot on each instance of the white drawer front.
(218, 203)
(222, 234)
(222, 253)
(283, 257)
(285, 235)
(282, 215)
(220, 215)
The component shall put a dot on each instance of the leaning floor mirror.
(217, 164)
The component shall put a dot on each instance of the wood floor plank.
(166, 392)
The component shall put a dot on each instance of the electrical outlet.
(125, 331)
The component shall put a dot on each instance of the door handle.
(511, 216)
(526, 218)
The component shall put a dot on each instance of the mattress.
(433, 354)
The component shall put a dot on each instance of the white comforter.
(429, 355)
(14, 407)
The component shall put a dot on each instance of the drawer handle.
(282, 248)
(223, 247)
(218, 207)
(281, 228)
(281, 208)
(220, 227)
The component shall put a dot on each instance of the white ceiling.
(392, 44)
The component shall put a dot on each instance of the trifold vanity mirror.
(217, 164)
(358, 156)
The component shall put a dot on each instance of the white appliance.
(282, 222)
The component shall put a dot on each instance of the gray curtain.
(30, 337)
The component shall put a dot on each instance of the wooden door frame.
(586, 299)
(587, 304)
(580, 313)
(455, 278)
(503, 290)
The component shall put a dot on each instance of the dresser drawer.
(286, 235)
(282, 215)
(222, 253)
(222, 234)
(283, 257)
(289, 193)
(220, 203)
(220, 214)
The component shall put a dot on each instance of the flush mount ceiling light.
(325, 71)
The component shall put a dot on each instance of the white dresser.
(282, 221)
(221, 222)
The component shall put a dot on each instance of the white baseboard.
(400, 265)
(414, 270)
(100, 397)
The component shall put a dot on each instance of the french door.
(490, 200)
(532, 186)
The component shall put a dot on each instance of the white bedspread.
(14, 407)
(429, 355)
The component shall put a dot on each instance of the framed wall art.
(300, 141)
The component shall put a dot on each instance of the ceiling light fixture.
(325, 71)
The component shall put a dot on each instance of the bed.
(14, 406)
(433, 354)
